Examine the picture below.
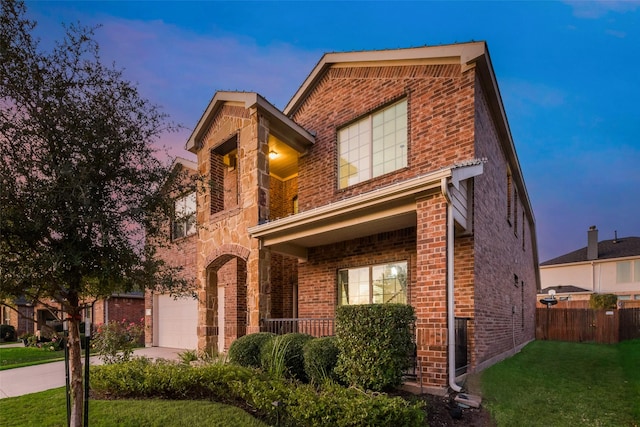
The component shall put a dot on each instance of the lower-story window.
(376, 284)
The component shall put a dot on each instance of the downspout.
(451, 336)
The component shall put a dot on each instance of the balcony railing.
(315, 327)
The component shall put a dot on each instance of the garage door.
(176, 322)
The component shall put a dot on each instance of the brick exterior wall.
(449, 121)
(499, 253)
(440, 110)
(317, 278)
(119, 308)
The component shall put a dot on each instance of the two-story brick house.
(391, 176)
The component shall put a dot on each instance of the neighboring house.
(603, 267)
(127, 306)
(391, 176)
(45, 319)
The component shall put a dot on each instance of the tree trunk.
(75, 366)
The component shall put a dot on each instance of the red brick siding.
(217, 183)
(430, 297)
(118, 309)
(317, 292)
(290, 191)
(283, 278)
(440, 108)
(281, 194)
(499, 253)
(233, 277)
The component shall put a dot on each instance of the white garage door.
(176, 322)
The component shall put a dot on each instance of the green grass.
(566, 384)
(48, 408)
(16, 357)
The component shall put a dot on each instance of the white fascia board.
(465, 53)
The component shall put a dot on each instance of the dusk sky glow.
(567, 72)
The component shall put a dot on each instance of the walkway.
(32, 379)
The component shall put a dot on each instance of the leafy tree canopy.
(81, 186)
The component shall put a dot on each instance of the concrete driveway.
(32, 379)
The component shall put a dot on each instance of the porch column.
(429, 296)
(208, 311)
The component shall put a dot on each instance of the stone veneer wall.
(223, 234)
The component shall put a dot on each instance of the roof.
(564, 289)
(189, 164)
(607, 249)
(461, 53)
(285, 128)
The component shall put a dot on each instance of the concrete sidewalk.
(32, 379)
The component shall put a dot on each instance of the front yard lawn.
(566, 384)
(17, 357)
(48, 408)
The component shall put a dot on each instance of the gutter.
(451, 336)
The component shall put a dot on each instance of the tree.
(81, 186)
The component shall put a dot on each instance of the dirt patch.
(444, 412)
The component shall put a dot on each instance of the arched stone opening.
(225, 308)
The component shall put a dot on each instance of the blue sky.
(567, 71)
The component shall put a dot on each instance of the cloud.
(615, 33)
(181, 71)
(526, 96)
(599, 8)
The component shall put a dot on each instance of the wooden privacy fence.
(587, 325)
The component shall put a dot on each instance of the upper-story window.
(628, 271)
(184, 216)
(373, 146)
(377, 284)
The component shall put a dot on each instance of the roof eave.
(466, 53)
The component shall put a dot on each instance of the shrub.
(279, 401)
(188, 356)
(55, 343)
(114, 341)
(283, 355)
(245, 351)
(7, 333)
(142, 378)
(320, 359)
(373, 341)
(339, 406)
(603, 301)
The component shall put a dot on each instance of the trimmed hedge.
(297, 404)
(245, 351)
(320, 359)
(374, 342)
(7, 333)
(284, 354)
